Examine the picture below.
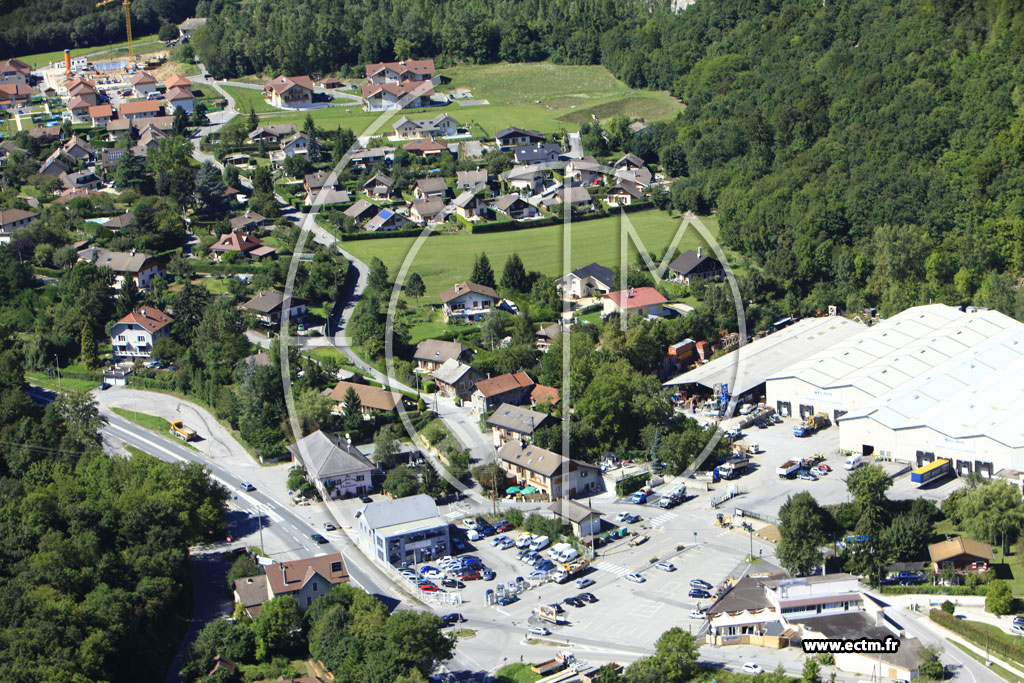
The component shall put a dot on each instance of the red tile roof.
(152, 319)
(288, 577)
(177, 81)
(141, 78)
(282, 83)
(236, 241)
(409, 66)
(636, 297)
(421, 146)
(544, 394)
(503, 383)
(101, 111)
(139, 107)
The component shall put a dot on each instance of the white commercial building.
(931, 382)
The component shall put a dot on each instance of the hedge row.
(933, 590)
(408, 232)
(629, 485)
(977, 634)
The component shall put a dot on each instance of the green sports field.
(446, 259)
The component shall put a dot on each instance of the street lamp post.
(57, 366)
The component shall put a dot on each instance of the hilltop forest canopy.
(863, 153)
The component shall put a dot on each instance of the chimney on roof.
(284, 573)
(249, 580)
(700, 250)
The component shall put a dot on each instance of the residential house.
(305, 580)
(585, 171)
(150, 139)
(645, 301)
(584, 520)
(12, 220)
(427, 211)
(578, 197)
(516, 207)
(101, 114)
(385, 220)
(120, 222)
(962, 554)
(79, 108)
(471, 180)
(330, 83)
(362, 211)
(140, 267)
(511, 388)
(550, 474)
(515, 423)
(440, 126)
(77, 148)
(629, 162)
(545, 335)
(118, 128)
(543, 394)
(44, 134)
(82, 180)
(289, 91)
(426, 148)
(6, 148)
(379, 186)
(140, 109)
(371, 399)
(469, 206)
(537, 154)
(403, 531)
(363, 159)
(188, 27)
(143, 83)
(177, 81)
(134, 335)
(271, 307)
(315, 182)
(250, 221)
(456, 380)
(271, 134)
(54, 165)
(588, 281)
(695, 264)
(14, 71)
(14, 95)
(109, 156)
(467, 302)
(430, 187)
(243, 244)
(330, 198)
(430, 354)
(623, 194)
(512, 137)
(180, 98)
(73, 193)
(408, 70)
(333, 465)
(526, 179)
(641, 177)
(388, 96)
(296, 143)
(79, 87)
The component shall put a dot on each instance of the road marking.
(661, 519)
(618, 570)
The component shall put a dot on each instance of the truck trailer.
(787, 469)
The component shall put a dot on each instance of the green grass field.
(65, 383)
(544, 96)
(44, 58)
(147, 421)
(516, 673)
(246, 98)
(446, 259)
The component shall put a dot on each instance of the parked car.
(584, 583)
(471, 561)
(452, 583)
(1018, 620)
(539, 631)
(458, 545)
(104, 386)
(575, 602)
(471, 575)
(587, 597)
(504, 526)
(751, 668)
(1017, 629)
(246, 486)
(699, 593)
(538, 575)
(700, 583)
(818, 471)
(453, 618)
(806, 476)
(427, 569)
(524, 540)
(697, 614)
(469, 523)
(366, 499)
(488, 574)
(429, 588)
(317, 538)
(498, 540)
(666, 566)
(329, 527)
(639, 498)
(635, 577)
(506, 544)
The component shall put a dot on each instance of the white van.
(473, 535)
(853, 462)
(524, 540)
(557, 549)
(568, 555)
(540, 543)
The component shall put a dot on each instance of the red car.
(504, 526)
(471, 575)
(429, 588)
(824, 467)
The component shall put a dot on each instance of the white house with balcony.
(134, 335)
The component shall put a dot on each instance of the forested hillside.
(866, 153)
(34, 26)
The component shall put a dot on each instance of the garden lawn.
(150, 422)
(521, 95)
(444, 260)
(516, 673)
(1009, 569)
(246, 98)
(65, 383)
(44, 58)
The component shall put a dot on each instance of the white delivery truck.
(853, 462)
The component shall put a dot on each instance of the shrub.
(948, 607)
(515, 517)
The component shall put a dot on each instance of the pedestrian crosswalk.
(662, 518)
(616, 569)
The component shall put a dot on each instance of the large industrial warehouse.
(931, 382)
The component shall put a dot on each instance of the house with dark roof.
(641, 177)
(271, 307)
(537, 154)
(693, 264)
(526, 179)
(54, 165)
(289, 91)
(379, 186)
(590, 280)
(550, 474)
(645, 301)
(584, 171)
(333, 465)
(188, 27)
(362, 211)
(385, 219)
(456, 380)
(427, 211)
(82, 180)
(426, 148)
(515, 423)
(273, 133)
(138, 266)
(469, 206)
(14, 219)
(467, 302)
(513, 388)
(511, 137)
(134, 335)
(578, 197)
(426, 188)
(403, 531)
(430, 354)
(14, 71)
(546, 334)
(584, 520)
(629, 161)
(371, 399)
(516, 208)
(470, 180)
(624, 193)
(363, 159)
(304, 579)
(250, 221)
(120, 222)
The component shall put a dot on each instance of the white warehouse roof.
(751, 364)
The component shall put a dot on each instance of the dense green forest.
(865, 153)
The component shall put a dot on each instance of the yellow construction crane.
(127, 4)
